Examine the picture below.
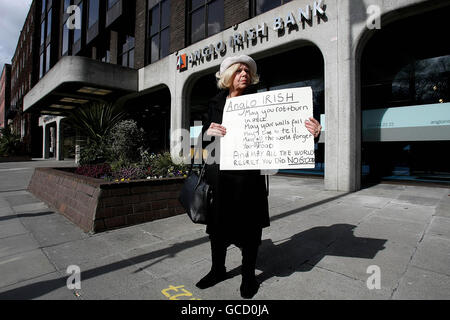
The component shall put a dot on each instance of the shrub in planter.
(125, 140)
(94, 171)
(10, 143)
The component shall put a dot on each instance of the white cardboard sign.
(266, 131)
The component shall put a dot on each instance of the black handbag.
(196, 196)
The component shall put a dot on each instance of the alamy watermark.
(74, 279)
(373, 21)
(374, 281)
(74, 20)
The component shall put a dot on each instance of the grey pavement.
(321, 245)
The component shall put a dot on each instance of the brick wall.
(140, 33)
(96, 206)
(177, 25)
(235, 11)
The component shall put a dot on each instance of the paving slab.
(17, 244)
(78, 252)
(362, 200)
(443, 209)
(395, 230)
(418, 200)
(51, 228)
(406, 212)
(10, 228)
(420, 284)
(24, 266)
(168, 257)
(172, 227)
(109, 275)
(433, 254)
(440, 227)
(319, 284)
(52, 286)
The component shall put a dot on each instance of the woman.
(240, 208)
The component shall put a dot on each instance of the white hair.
(225, 80)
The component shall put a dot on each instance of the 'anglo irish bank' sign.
(250, 36)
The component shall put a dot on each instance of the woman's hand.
(314, 127)
(216, 130)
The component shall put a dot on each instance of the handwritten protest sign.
(266, 131)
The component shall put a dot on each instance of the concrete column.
(45, 143)
(59, 141)
(179, 120)
(343, 117)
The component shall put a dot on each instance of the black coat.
(240, 207)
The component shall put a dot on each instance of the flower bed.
(97, 205)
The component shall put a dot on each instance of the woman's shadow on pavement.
(301, 252)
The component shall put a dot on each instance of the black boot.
(218, 272)
(249, 286)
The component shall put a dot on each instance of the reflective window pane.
(154, 20)
(49, 22)
(198, 25)
(154, 43)
(131, 59)
(215, 17)
(165, 42)
(165, 13)
(42, 33)
(66, 5)
(76, 31)
(93, 12)
(266, 5)
(197, 3)
(65, 41)
(111, 3)
(41, 66)
(47, 63)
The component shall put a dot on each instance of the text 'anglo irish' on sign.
(266, 131)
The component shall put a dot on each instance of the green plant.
(94, 153)
(95, 120)
(163, 166)
(10, 143)
(125, 140)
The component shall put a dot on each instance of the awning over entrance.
(74, 81)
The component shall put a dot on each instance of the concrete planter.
(95, 205)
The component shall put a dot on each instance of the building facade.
(379, 71)
(23, 77)
(5, 94)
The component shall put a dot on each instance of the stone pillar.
(59, 141)
(45, 143)
(343, 116)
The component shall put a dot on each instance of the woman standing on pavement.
(240, 206)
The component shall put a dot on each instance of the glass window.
(42, 33)
(66, 5)
(159, 31)
(65, 40)
(93, 12)
(198, 25)
(261, 6)
(47, 57)
(41, 66)
(111, 3)
(126, 51)
(215, 17)
(206, 18)
(405, 101)
(76, 31)
(49, 22)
